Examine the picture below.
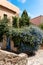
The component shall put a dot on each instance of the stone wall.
(3, 44)
(8, 58)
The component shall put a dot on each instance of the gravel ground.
(37, 59)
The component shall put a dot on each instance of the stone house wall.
(3, 44)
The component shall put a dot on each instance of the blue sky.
(33, 7)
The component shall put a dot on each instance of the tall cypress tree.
(25, 19)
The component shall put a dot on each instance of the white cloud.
(22, 1)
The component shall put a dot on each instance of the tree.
(4, 27)
(15, 22)
(25, 19)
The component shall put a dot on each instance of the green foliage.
(27, 38)
(15, 20)
(41, 26)
(4, 27)
(25, 19)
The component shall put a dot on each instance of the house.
(9, 10)
(37, 20)
(6, 8)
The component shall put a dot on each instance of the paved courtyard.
(37, 59)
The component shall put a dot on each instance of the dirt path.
(37, 59)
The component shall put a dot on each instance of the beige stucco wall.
(8, 12)
(9, 5)
(9, 9)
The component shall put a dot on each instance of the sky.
(33, 7)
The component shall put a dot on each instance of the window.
(5, 15)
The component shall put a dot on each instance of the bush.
(27, 39)
(41, 26)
